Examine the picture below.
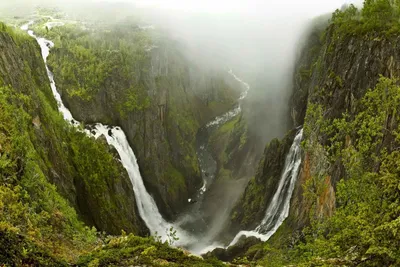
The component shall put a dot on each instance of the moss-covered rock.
(342, 67)
(239, 251)
(137, 251)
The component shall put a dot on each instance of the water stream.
(278, 209)
(115, 136)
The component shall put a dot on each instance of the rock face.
(236, 152)
(182, 98)
(333, 72)
(250, 209)
(69, 159)
(341, 70)
(233, 252)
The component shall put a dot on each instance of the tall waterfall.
(276, 213)
(278, 209)
(116, 137)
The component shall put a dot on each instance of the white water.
(278, 209)
(218, 121)
(116, 137)
(234, 112)
(147, 207)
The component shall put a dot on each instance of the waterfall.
(278, 209)
(276, 213)
(116, 137)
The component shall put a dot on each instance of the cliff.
(53, 177)
(55, 165)
(345, 97)
(149, 88)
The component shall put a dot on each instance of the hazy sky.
(267, 7)
(273, 7)
(259, 39)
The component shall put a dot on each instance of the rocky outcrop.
(236, 148)
(239, 250)
(333, 72)
(345, 67)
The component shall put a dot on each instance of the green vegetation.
(45, 166)
(132, 251)
(85, 59)
(175, 181)
(220, 139)
(363, 230)
(16, 34)
(29, 204)
(251, 207)
(252, 200)
(377, 17)
(107, 74)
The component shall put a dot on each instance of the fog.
(258, 39)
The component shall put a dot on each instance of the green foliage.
(38, 226)
(175, 181)
(16, 250)
(29, 204)
(136, 99)
(132, 250)
(376, 17)
(314, 123)
(85, 59)
(16, 34)
(363, 230)
(253, 200)
(172, 236)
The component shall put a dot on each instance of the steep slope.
(350, 142)
(346, 93)
(150, 90)
(348, 65)
(48, 168)
(56, 166)
(250, 209)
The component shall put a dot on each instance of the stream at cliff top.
(198, 243)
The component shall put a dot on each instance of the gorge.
(146, 205)
(134, 144)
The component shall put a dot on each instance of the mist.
(257, 39)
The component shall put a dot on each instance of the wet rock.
(235, 251)
(102, 139)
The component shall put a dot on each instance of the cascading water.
(116, 137)
(276, 213)
(278, 209)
